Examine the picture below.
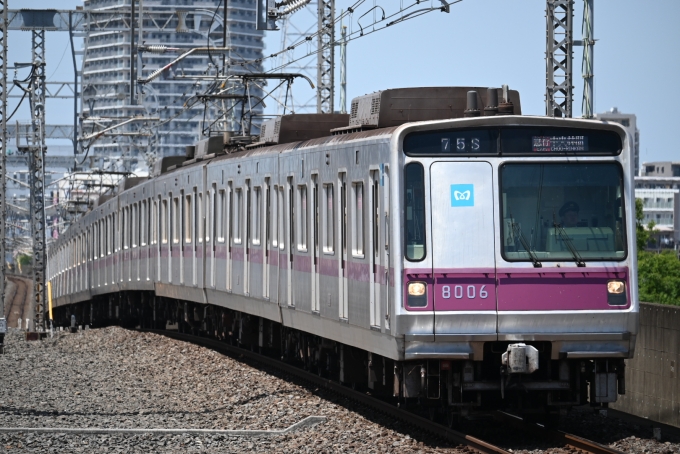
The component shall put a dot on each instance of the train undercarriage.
(440, 388)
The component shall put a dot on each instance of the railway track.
(16, 309)
(568, 443)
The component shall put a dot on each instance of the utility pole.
(587, 67)
(326, 64)
(559, 58)
(37, 172)
(3, 162)
(343, 70)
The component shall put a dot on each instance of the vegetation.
(658, 273)
(24, 259)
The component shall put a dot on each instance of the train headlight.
(616, 293)
(417, 294)
(416, 288)
(616, 287)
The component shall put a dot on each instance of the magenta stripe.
(302, 263)
(360, 272)
(329, 267)
(274, 258)
(255, 255)
(237, 253)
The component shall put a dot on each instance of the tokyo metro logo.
(462, 195)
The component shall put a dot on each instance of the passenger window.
(414, 222)
(220, 215)
(176, 220)
(257, 206)
(188, 219)
(358, 224)
(199, 216)
(142, 225)
(164, 221)
(329, 219)
(135, 226)
(126, 231)
(281, 221)
(302, 218)
(236, 221)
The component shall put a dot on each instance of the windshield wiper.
(518, 233)
(563, 235)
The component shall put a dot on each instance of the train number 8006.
(460, 291)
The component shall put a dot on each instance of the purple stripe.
(555, 292)
(255, 255)
(465, 292)
(329, 267)
(237, 253)
(302, 263)
(360, 272)
(221, 252)
(274, 258)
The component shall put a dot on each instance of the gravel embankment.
(114, 378)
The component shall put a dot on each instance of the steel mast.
(559, 54)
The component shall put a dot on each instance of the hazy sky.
(484, 43)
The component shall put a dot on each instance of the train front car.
(519, 283)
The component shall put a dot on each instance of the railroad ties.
(112, 388)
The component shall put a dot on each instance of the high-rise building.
(629, 121)
(173, 23)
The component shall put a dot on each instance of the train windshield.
(559, 212)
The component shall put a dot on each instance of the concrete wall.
(652, 382)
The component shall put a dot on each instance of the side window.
(142, 224)
(414, 214)
(358, 224)
(237, 216)
(220, 215)
(164, 221)
(188, 219)
(281, 219)
(328, 219)
(135, 225)
(302, 220)
(273, 197)
(291, 214)
(126, 227)
(256, 216)
(175, 220)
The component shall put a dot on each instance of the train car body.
(432, 260)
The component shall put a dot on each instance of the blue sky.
(484, 43)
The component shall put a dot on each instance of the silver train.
(454, 257)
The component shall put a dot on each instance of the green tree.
(659, 277)
(642, 235)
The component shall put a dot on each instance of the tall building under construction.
(180, 24)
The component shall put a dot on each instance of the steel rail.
(557, 436)
(384, 407)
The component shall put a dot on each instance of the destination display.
(513, 140)
(559, 144)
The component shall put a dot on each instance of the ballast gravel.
(116, 378)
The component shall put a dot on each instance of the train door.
(248, 238)
(374, 248)
(213, 216)
(463, 257)
(265, 243)
(315, 213)
(230, 234)
(342, 220)
(291, 240)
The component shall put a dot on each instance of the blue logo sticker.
(462, 195)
